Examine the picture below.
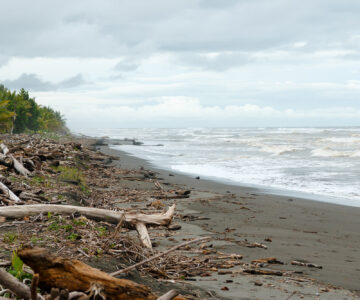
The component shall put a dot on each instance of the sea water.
(323, 162)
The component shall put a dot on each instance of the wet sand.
(299, 229)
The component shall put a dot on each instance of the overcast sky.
(188, 63)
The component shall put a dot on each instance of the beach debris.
(305, 264)
(137, 220)
(251, 245)
(263, 272)
(10, 161)
(159, 255)
(169, 295)
(267, 260)
(6, 191)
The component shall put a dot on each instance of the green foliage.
(20, 113)
(55, 226)
(73, 175)
(73, 236)
(9, 237)
(16, 268)
(101, 230)
(17, 264)
(79, 222)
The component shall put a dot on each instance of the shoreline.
(220, 183)
(322, 233)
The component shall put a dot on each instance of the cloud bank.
(283, 60)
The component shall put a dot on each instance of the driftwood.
(10, 282)
(169, 295)
(130, 219)
(75, 276)
(10, 161)
(9, 193)
(263, 272)
(304, 264)
(143, 234)
(159, 255)
(267, 260)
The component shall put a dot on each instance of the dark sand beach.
(254, 237)
(320, 233)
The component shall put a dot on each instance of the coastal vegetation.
(20, 113)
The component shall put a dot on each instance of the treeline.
(20, 113)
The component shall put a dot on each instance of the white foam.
(328, 152)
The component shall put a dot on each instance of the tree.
(20, 113)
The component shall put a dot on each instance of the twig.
(292, 294)
(158, 255)
(115, 233)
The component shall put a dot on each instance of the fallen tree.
(131, 220)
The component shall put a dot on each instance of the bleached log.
(90, 212)
(130, 219)
(169, 295)
(9, 193)
(4, 149)
(19, 167)
(143, 234)
(10, 282)
(11, 161)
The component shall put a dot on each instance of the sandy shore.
(295, 229)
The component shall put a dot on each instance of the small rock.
(174, 227)
(197, 177)
(258, 283)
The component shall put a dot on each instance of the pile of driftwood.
(28, 157)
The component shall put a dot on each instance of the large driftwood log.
(130, 219)
(73, 275)
(10, 282)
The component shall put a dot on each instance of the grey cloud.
(72, 82)
(126, 66)
(115, 28)
(29, 82)
(33, 82)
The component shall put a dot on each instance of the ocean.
(316, 163)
